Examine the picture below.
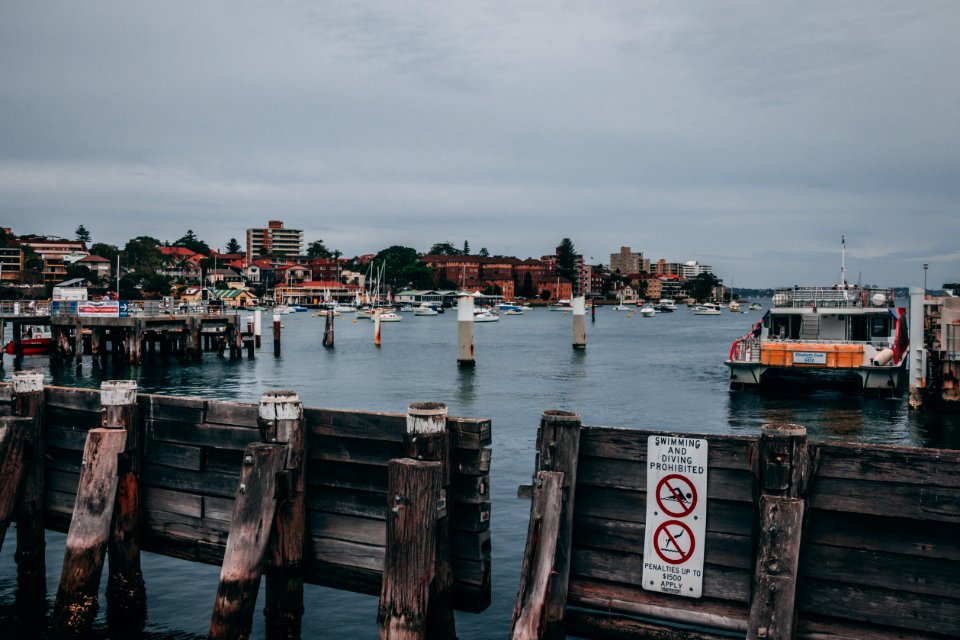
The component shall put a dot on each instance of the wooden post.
(95, 339)
(427, 439)
(558, 446)
(593, 311)
(257, 326)
(13, 442)
(78, 342)
(276, 335)
(247, 542)
(328, 330)
(281, 422)
(465, 352)
(413, 488)
(376, 327)
(579, 323)
(529, 613)
(126, 593)
(31, 541)
(17, 329)
(76, 605)
(784, 474)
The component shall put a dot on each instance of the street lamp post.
(925, 266)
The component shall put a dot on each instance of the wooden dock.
(208, 475)
(133, 338)
(803, 540)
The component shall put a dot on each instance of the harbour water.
(664, 372)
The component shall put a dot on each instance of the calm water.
(664, 372)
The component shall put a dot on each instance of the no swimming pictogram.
(676, 495)
(674, 542)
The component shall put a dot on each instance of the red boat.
(36, 341)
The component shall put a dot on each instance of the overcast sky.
(747, 135)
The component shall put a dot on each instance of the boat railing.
(836, 296)
(746, 349)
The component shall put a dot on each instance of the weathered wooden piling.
(14, 432)
(76, 604)
(328, 330)
(409, 565)
(784, 472)
(465, 351)
(376, 328)
(558, 447)
(281, 422)
(530, 611)
(427, 439)
(276, 334)
(250, 528)
(579, 323)
(593, 311)
(31, 541)
(126, 592)
(78, 342)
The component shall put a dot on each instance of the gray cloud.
(748, 135)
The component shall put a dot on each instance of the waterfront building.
(99, 266)
(628, 261)
(693, 268)
(314, 293)
(293, 274)
(11, 264)
(274, 240)
(663, 269)
(52, 251)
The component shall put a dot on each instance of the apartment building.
(275, 240)
(628, 262)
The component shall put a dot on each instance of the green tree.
(701, 287)
(317, 249)
(77, 270)
(483, 253)
(444, 249)
(403, 267)
(192, 242)
(105, 251)
(567, 263)
(233, 246)
(155, 284)
(83, 235)
(141, 254)
(466, 248)
(6, 239)
(527, 289)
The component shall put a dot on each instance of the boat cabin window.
(784, 327)
(879, 326)
(858, 328)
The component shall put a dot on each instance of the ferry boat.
(835, 333)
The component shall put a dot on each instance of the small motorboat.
(36, 341)
(425, 309)
(485, 315)
(390, 316)
(647, 311)
(707, 309)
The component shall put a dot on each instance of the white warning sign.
(676, 521)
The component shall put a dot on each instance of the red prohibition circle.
(674, 494)
(671, 543)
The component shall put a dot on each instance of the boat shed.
(417, 296)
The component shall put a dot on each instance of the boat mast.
(843, 261)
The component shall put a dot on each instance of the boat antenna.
(843, 261)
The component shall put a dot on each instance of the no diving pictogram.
(674, 542)
(676, 495)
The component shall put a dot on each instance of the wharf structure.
(935, 349)
(388, 504)
(127, 330)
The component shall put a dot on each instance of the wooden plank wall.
(610, 510)
(881, 547)
(191, 469)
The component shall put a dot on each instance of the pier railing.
(195, 460)
(803, 540)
